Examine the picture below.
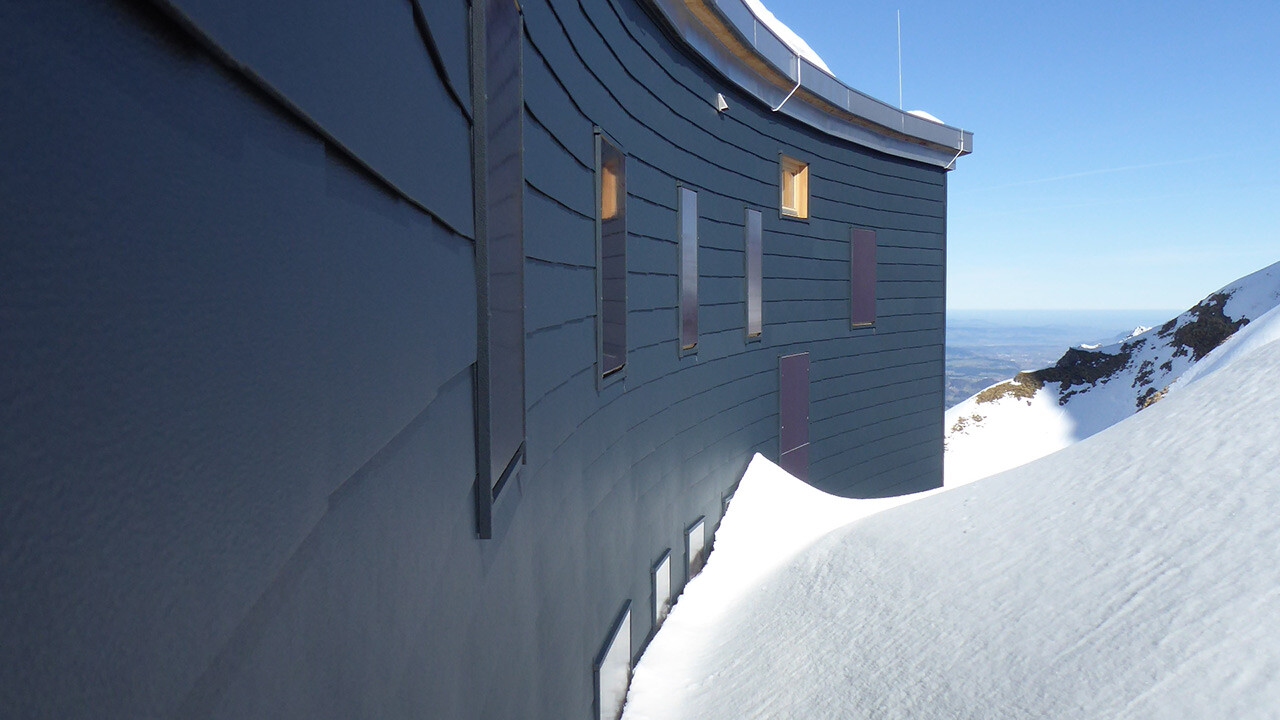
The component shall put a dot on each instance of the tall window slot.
(687, 214)
(613, 668)
(862, 277)
(611, 255)
(794, 185)
(499, 194)
(754, 252)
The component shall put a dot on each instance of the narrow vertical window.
(794, 186)
(862, 277)
(754, 256)
(613, 668)
(695, 547)
(611, 256)
(661, 589)
(793, 414)
(687, 218)
(499, 193)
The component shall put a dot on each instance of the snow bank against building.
(1133, 574)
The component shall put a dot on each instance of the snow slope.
(1133, 574)
(1093, 387)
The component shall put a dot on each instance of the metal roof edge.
(758, 61)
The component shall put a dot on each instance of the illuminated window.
(795, 187)
(611, 256)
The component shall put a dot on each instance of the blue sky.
(1125, 153)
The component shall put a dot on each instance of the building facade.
(387, 359)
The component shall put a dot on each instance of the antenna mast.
(899, 59)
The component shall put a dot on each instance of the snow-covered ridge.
(1094, 386)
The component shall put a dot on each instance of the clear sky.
(1126, 154)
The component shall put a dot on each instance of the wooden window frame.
(796, 206)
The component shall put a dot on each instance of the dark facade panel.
(862, 276)
(279, 354)
(348, 68)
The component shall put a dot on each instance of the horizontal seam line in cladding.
(627, 111)
(652, 238)
(881, 456)
(844, 376)
(865, 408)
(886, 471)
(679, 434)
(645, 200)
(610, 443)
(814, 216)
(281, 103)
(886, 490)
(892, 440)
(759, 133)
(559, 143)
(558, 263)
(866, 188)
(601, 408)
(557, 200)
(692, 456)
(548, 328)
(554, 76)
(897, 434)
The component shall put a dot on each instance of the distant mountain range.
(1092, 387)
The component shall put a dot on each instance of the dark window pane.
(754, 252)
(688, 220)
(862, 276)
(505, 178)
(793, 414)
(613, 258)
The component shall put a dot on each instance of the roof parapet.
(746, 51)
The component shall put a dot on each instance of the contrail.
(1104, 171)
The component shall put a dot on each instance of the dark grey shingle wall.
(236, 404)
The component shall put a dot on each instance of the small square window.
(794, 184)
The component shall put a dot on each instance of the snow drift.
(1133, 574)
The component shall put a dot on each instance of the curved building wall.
(239, 332)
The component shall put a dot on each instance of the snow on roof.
(1133, 574)
(925, 115)
(786, 34)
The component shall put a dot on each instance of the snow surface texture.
(1002, 428)
(786, 35)
(925, 115)
(1134, 574)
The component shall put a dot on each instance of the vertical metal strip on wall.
(497, 140)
